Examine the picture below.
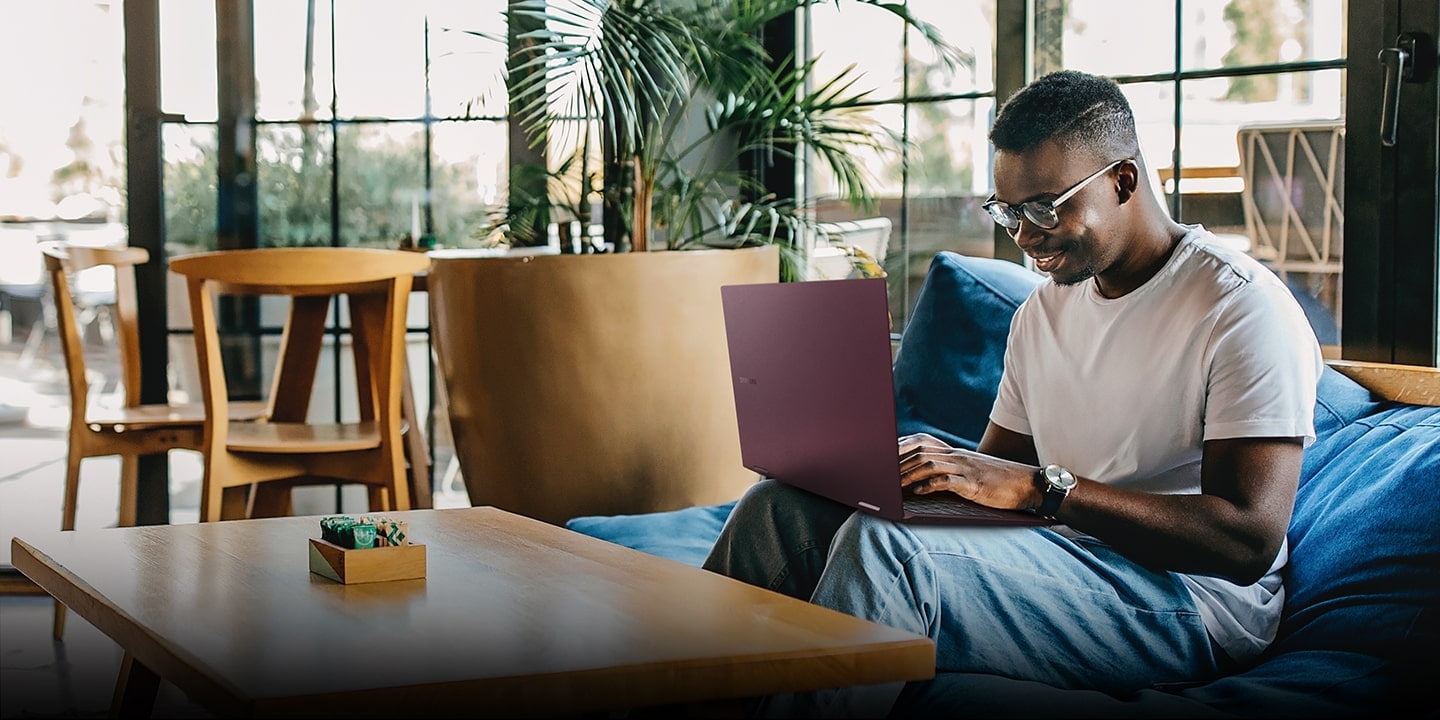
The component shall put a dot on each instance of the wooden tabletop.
(515, 617)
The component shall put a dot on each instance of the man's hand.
(928, 465)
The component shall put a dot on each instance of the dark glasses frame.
(1041, 213)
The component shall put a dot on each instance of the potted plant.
(600, 384)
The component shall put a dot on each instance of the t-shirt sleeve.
(1265, 363)
(1009, 409)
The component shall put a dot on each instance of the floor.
(40, 678)
(74, 678)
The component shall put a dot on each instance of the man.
(1156, 396)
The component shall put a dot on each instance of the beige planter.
(594, 384)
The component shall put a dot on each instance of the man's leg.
(777, 537)
(1016, 602)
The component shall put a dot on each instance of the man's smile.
(1047, 262)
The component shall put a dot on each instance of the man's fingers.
(924, 455)
(915, 440)
(921, 467)
(934, 483)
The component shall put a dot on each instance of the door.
(1391, 302)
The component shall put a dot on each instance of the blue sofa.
(1359, 633)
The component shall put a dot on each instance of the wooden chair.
(132, 429)
(1294, 203)
(1294, 195)
(829, 255)
(289, 450)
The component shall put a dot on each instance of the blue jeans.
(1019, 602)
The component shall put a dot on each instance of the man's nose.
(1027, 234)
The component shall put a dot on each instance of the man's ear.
(1127, 181)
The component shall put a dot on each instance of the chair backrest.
(64, 260)
(377, 280)
(1294, 193)
(829, 253)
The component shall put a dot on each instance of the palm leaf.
(639, 68)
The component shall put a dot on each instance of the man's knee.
(767, 492)
(864, 535)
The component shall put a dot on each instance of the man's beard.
(1084, 274)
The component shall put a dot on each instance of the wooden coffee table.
(515, 617)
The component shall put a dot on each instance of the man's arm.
(1232, 529)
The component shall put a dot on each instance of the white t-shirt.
(1125, 391)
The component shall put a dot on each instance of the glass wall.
(374, 123)
(1248, 106)
(931, 190)
(377, 123)
(62, 178)
(1243, 97)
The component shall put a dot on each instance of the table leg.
(135, 690)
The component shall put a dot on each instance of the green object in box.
(335, 528)
(363, 532)
(362, 536)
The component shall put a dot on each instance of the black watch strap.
(1056, 483)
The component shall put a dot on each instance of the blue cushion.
(948, 367)
(1340, 401)
(1322, 321)
(1307, 683)
(1298, 684)
(1364, 572)
(684, 535)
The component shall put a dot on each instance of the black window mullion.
(1012, 70)
(145, 218)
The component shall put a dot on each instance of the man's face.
(1082, 243)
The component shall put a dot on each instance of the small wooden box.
(399, 562)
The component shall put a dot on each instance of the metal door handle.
(1408, 61)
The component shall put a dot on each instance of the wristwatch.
(1056, 482)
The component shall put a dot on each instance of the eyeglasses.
(1040, 212)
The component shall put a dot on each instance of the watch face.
(1059, 477)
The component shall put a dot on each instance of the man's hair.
(1076, 109)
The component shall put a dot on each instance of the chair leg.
(33, 342)
(211, 499)
(72, 488)
(67, 522)
(397, 492)
(129, 490)
(235, 503)
(449, 483)
(379, 498)
(270, 500)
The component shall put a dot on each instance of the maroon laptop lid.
(814, 394)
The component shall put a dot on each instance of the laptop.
(815, 400)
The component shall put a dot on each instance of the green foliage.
(191, 190)
(1259, 29)
(380, 181)
(648, 73)
(933, 166)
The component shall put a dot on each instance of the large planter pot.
(592, 384)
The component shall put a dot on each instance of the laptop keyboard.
(950, 508)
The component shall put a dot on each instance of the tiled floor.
(75, 678)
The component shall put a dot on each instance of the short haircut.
(1079, 110)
